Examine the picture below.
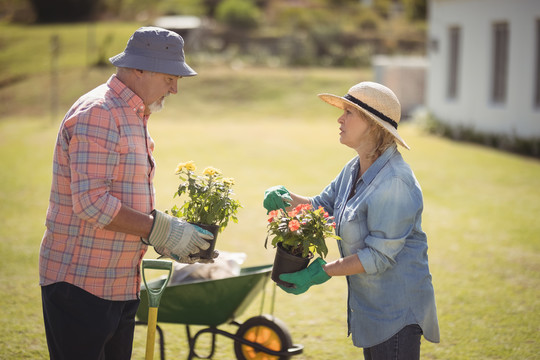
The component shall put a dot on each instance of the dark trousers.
(81, 326)
(405, 345)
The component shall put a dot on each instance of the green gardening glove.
(276, 197)
(302, 280)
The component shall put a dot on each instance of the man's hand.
(177, 239)
(303, 279)
(276, 197)
(192, 259)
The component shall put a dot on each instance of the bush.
(511, 143)
(368, 20)
(239, 14)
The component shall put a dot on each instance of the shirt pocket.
(353, 230)
(134, 164)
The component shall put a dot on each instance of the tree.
(415, 9)
(49, 11)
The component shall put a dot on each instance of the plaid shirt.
(103, 159)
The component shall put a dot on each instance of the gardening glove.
(175, 238)
(192, 259)
(276, 197)
(302, 280)
(215, 254)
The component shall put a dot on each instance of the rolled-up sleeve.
(325, 199)
(393, 207)
(329, 197)
(94, 156)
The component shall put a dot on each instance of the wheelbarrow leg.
(161, 343)
(193, 340)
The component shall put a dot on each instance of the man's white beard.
(157, 106)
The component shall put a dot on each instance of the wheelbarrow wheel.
(267, 331)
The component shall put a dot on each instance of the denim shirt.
(381, 224)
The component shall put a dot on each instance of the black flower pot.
(208, 253)
(285, 263)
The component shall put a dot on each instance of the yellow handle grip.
(151, 332)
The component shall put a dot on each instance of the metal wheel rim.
(266, 337)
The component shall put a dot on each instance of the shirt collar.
(126, 94)
(374, 169)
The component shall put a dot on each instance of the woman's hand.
(302, 280)
(276, 197)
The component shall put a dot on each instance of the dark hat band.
(365, 106)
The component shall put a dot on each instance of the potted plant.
(208, 201)
(297, 235)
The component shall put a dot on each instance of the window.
(500, 62)
(454, 35)
(537, 78)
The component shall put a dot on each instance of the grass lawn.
(265, 128)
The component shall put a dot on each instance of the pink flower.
(322, 212)
(293, 213)
(272, 215)
(294, 225)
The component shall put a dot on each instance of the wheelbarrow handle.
(154, 294)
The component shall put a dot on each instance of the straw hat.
(154, 49)
(376, 101)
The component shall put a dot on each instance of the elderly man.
(101, 215)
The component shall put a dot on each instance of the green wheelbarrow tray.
(207, 302)
(211, 303)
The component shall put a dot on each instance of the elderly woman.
(377, 203)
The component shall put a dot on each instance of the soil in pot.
(285, 263)
(214, 229)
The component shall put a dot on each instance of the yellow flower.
(228, 181)
(207, 198)
(189, 166)
(210, 171)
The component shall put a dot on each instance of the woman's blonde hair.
(382, 139)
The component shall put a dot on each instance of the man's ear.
(138, 73)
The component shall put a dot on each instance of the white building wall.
(473, 106)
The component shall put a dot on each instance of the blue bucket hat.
(154, 49)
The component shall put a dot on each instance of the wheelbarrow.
(212, 303)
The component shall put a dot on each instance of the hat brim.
(172, 67)
(339, 102)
